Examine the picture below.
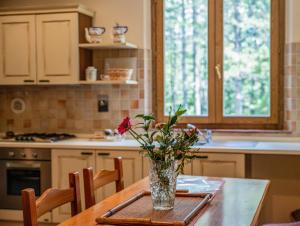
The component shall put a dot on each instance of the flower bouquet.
(167, 148)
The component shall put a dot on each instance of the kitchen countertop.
(284, 147)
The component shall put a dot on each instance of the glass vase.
(163, 184)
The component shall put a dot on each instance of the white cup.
(91, 74)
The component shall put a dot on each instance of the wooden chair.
(287, 224)
(50, 199)
(102, 178)
(296, 215)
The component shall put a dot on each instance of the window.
(220, 59)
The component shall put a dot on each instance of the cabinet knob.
(44, 81)
(202, 157)
(86, 153)
(28, 81)
(103, 154)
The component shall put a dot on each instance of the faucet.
(206, 134)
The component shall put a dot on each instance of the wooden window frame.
(215, 119)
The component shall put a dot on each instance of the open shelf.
(107, 46)
(109, 82)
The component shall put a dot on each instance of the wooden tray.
(139, 211)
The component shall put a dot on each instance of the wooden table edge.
(260, 206)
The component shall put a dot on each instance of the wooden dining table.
(238, 202)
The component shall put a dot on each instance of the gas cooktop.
(38, 137)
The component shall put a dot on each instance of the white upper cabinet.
(41, 46)
(57, 48)
(17, 50)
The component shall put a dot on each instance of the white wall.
(133, 13)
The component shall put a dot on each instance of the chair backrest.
(49, 200)
(102, 178)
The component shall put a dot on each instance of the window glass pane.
(186, 55)
(247, 57)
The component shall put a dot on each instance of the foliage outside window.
(220, 60)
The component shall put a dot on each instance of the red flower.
(124, 126)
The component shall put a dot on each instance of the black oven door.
(18, 175)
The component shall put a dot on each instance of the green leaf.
(145, 117)
(173, 120)
(180, 111)
(139, 116)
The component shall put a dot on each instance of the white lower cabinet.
(132, 169)
(219, 165)
(146, 164)
(63, 162)
(66, 161)
(212, 165)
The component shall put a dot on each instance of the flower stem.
(135, 137)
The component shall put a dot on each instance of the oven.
(20, 169)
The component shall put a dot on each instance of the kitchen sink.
(229, 144)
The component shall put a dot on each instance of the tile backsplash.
(75, 108)
(292, 88)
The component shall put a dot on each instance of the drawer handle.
(86, 153)
(29, 81)
(202, 157)
(103, 154)
(46, 81)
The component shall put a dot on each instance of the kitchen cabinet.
(41, 46)
(213, 165)
(219, 165)
(146, 164)
(57, 48)
(132, 169)
(64, 162)
(17, 50)
(146, 167)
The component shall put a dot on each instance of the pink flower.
(124, 126)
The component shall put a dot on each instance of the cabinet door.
(186, 171)
(219, 165)
(64, 162)
(17, 50)
(132, 169)
(146, 167)
(57, 48)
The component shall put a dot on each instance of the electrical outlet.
(102, 103)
